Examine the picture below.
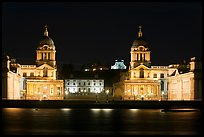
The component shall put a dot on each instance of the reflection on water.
(65, 121)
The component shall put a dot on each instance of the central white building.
(83, 86)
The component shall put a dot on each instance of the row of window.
(74, 90)
(87, 80)
(25, 74)
(45, 73)
(154, 75)
(161, 75)
(85, 84)
(45, 56)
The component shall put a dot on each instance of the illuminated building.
(146, 82)
(10, 79)
(142, 81)
(118, 65)
(185, 83)
(85, 86)
(39, 81)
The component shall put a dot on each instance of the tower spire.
(46, 31)
(140, 31)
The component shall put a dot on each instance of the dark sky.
(86, 32)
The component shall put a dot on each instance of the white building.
(85, 86)
(119, 65)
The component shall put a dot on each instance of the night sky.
(87, 32)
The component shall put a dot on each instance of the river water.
(65, 121)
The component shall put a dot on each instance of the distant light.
(107, 110)
(65, 109)
(133, 110)
(107, 91)
(95, 109)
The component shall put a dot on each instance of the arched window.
(141, 73)
(162, 85)
(45, 72)
(48, 56)
(140, 56)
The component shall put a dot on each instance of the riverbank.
(103, 104)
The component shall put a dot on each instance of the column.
(144, 57)
(136, 57)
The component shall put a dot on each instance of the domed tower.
(45, 52)
(140, 53)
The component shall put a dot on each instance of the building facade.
(142, 81)
(10, 79)
(83, 86)
(38, 81)
(186, 85)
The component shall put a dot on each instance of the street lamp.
(107, 91)
(142, 97)
(162, 95)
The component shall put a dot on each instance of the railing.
(28, 66)
(159, 67)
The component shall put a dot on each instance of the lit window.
(24, 74)
(141, 73)
(59, 91)
(155, 76)
(162, 75)
(45, 71)
(32, 74)
(51, 91)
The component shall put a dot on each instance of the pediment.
(141, 66)
(45, 66)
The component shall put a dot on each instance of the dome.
(140, 41)
(46, 40)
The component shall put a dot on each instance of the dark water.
(28, 121)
